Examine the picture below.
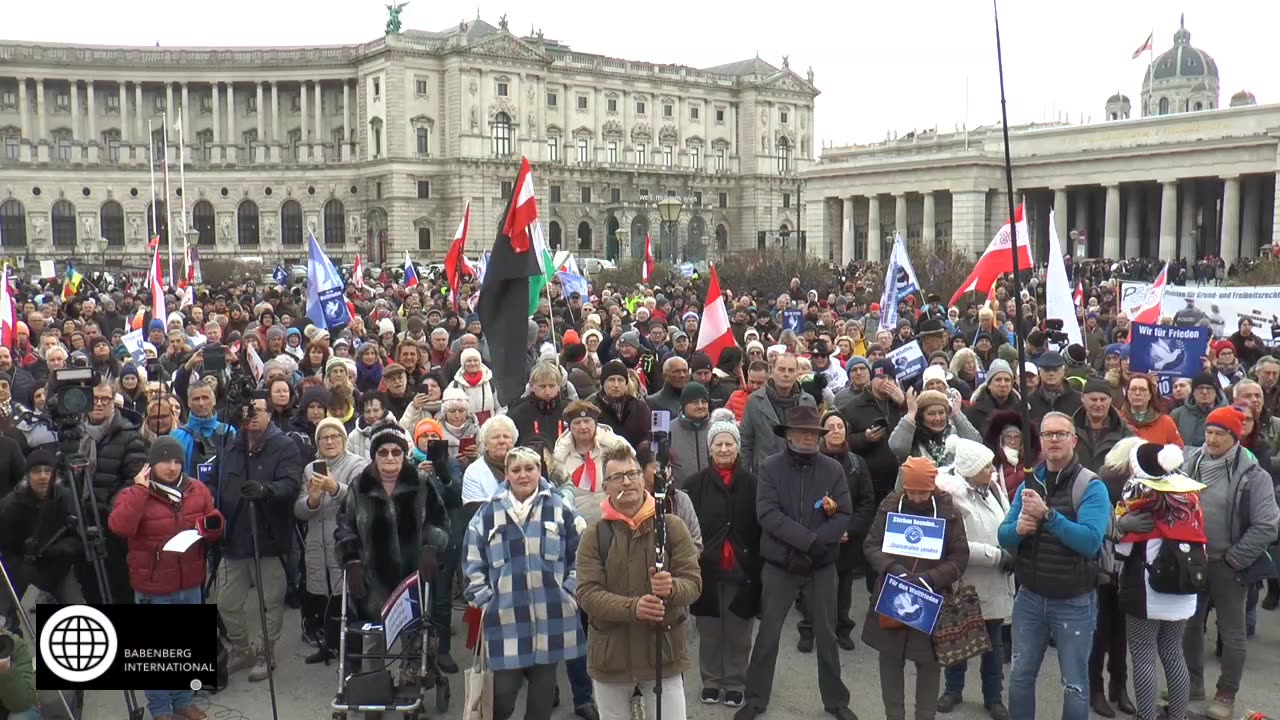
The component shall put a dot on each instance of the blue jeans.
(1070, 623)
(992, 669)
(167, 702)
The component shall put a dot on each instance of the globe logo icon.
(78, 643)
(913, 535)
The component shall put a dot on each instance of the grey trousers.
(231, 592)
(538, 701)
(725, 644)
(893, 688)
(1228, 597)
(779, 592)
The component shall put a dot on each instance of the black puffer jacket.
(860, 414)
(119, 457)
(985, 405)
(32, 529)
(727, 514)
(274, 463)
(799, 537)
(863, 495)
(632, 423)
(538, 418)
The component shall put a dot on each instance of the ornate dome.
(1182, 61)
(1244, 97)
(1118, 98)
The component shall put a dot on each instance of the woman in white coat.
(577, 462)
(476, 380)
(982, 502)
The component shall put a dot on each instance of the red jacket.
(147, 521)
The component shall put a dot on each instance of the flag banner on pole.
(538, 283)
(410, 272)
(1169, 351)
(524, 210)
(326, 306)
(71, 283)
(1057, 291)
(573, 284)
(1224, 306)
(646, 267)
(714, 333)
(481, 265)
(156, 280)
(1145, 46)
(8, 316)
(996, 260)
(900, 282)
(280, 275)
(455, 262)
(357, 273)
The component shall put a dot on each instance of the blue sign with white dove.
(1168, 351)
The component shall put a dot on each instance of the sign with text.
(909, 361)
(1224, 306)
(1170, 352)
(122, 647)
(793, 320)
(909, 604)
(914, 536)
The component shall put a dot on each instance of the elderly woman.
(521, 551)
(724, 498)
(930, 419)
(895, 642)
(978, 495)
(460, 427)
(476, 380)
(483, 477)
(577, 463)
(328, 480)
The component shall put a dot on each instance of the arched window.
(63, 219)
(1199, 106)
(13, 221)
(291, 223)
(335, 223)
(202, 218)
(1164, 106)
(784, 156)
(611, 238)
(639, 229)
(162, 211)
(111, 223)
(722, 239)
(501, 135)
(784, 234)
(557, 235)
(694, 249)
(247, 222)
(584, 235)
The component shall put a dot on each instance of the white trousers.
(614, 701)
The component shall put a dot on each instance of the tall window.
(642, 154)
(111, 139)
(668, 155)
(613, 151)
(63, 218)
(12, 147)
(1164, 106)
(335, 223)
(556, 235)
(13, 220)
(424, 137)
(585, 191)
(640, 107)
(501, 135)
(247, 223)
(553, 149)
(424, 189)
(202, 218)
(424, 238)
(111, 223)
(62, 153)
(695, 158)
(784, 156)
(584, 151)
(720, 159)
(555, 194)
(584, 235)
(161, 211)
(291, 223)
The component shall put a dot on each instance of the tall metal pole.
(1013, 248)
(182, 188)
(168, 231)
(155, 209)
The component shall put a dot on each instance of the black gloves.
(355, 580)
(428, 564)
(1006, 562)
(1138, 522)
(255, 491)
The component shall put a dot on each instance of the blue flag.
(280, 275)
(326, 307)
(573, 283)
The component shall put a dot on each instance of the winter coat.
(1067, 402)
(668, 398)
(723, 387)
(18, 691)
(982, 514)
(906, 440)
(13, 465)
(941, 575)
(1190, 417)
(620, 649)
(689, 453)
(386, 534)
(565, 463)
(632, 422)
(983, 405)
(727, 514)
(536, 418)
(799, 537)
(859, 415)
(758, 439)
(118, 458)
(863, 495)
(1254, 520)
(583, 378)
(23, 517)
(482, 396)
(323, 572)
(358, 439)
(147, 521)
(1137, 598)
(524, 578)
(1091, 447)
(274, 463)
(1159, 429)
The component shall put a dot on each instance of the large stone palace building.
(1187, 179)
(377, 147)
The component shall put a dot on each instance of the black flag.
(504, 313)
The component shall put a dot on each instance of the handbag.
(961, 632)
(479, 685)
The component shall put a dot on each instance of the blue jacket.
(274, 463)
(1084, 536)
(209, 430)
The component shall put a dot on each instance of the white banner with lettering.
(1224, 306)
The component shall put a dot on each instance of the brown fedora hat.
(801, 417)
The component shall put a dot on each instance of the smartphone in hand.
(320, 467)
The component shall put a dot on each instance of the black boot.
(1119, 695)
(320, 656)
(1100, 706)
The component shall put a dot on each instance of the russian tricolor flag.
(410, 275)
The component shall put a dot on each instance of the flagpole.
(168, 231)
(182, 185)
(155, 209)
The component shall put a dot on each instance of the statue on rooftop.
(393, 17)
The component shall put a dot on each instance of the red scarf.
(588, 470)
(727, 561)
(473, 379)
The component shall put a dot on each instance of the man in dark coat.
(1054, 393)
(804, 507)
(627, 415)
(37, 539)
(256, 477)
(870, 418)
(1099, 427)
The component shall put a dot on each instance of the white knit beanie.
(934, 372)
(970, 456)
(723, 421)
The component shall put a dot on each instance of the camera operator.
(18, 695)
(117, 452)
(204, 433)
(274, 483)
(37, 533)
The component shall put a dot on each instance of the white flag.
(1059, 304)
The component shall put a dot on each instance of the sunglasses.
(391, 453)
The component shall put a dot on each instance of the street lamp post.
(624, 250)
(669, 211)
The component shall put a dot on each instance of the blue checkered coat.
(524, 578)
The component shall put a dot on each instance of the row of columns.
(874, 240)
(311, 121)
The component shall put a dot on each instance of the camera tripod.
(29, 630)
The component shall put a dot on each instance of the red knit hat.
(1227, 418)
(571, 337)
(1218, 346)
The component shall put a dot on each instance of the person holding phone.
(162, 502)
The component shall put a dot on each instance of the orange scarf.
(646, 511)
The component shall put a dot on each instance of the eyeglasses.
(391, 453)
(103, 400)
(632, 475)
(1056, 436)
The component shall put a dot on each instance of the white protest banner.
(132, 342)
(1224, 306)
(908, 360)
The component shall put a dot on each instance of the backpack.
(1108, 566)
(1179, 568)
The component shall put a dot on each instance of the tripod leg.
(262, 609)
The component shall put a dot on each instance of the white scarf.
(520, 510)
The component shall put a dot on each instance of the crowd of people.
(386, 447)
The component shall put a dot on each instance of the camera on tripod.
(1054, 333)
(71, 395)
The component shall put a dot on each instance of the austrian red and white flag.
(1149, 312)
(1146, 45)
(1078, 296)
(155, 278)
(8, 317)
(997, 260)
(714, 333)
(455, 262)
(524, 210)
(646, 267)
(357, 273)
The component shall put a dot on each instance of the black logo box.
(141, 631)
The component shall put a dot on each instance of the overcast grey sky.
(880, 65)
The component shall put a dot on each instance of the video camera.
(71, 396)
(1054, 333)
